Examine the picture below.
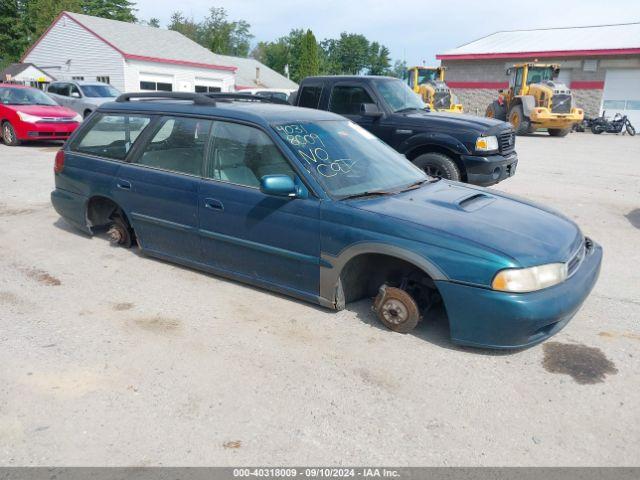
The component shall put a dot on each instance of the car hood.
(98, 100)
(455, 120)
(527, 233)
(43, 110)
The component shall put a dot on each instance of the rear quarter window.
(111, 135)
(309, 97)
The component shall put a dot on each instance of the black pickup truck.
(460, 147)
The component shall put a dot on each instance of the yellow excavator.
(429, 83)
(535, 99)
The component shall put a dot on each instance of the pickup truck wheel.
(559, 132)
(438, 165)
(9, 135)
(396, 309)
(518, 121)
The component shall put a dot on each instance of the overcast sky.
(414, 30)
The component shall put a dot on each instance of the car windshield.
(96, 91)
(539, 74)
(399, 96)
(348, 160)
(24, 96)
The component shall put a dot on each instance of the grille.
(561, 103)
(56, 120)
(441, 100)
(507, 141)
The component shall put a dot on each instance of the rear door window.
(178, 145)
(346, 99)
(111, 135)
(310, 97)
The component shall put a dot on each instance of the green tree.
(309, 60)
(153, 22)
(399, 69)
(122, 10)
(13, 32)
(379, 62)
(186, 26)
(39, 14)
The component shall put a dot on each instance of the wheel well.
(422, 149)
(100, 210)
(362, 276)
(87, 112)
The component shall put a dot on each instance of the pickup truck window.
(348, 160)
(310, 97)
(399, 96)
(346, 100)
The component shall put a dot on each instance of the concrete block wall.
(475, 100)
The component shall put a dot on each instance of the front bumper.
(481, 317)
(489, 170)
(45, 131)
(543, 118)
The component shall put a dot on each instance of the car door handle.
(123, 185)
(213, 204)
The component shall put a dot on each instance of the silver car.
(83, 97)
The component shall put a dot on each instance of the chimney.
(257, 75)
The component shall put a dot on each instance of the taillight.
(59, 165)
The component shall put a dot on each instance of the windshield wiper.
(367, 194)
(415, 185)
(406, 109)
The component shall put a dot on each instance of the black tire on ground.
(396, 309)
(518, 121)
(630, 130)
(120, 233)
(9, 136)
(597, 128)
(532, 128)
(559, 132)
(438, 165)
(497, 111)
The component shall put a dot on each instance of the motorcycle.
(601, 124)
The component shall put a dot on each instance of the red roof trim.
(127, 55)
(587, 85)
(491, 85)
(142, 58)
(549, 54)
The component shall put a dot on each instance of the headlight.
(77, 118)
(486, 144)
(25, 117)
(530, 279)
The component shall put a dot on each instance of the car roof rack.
(196, 98)
(247, 97)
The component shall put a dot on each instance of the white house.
(25, 74)
(134, 57)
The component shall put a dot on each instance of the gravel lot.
(111, 358)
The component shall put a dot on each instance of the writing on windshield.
(309, 146)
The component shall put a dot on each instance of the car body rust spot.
(586, 365)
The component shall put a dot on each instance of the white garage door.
(622, 94)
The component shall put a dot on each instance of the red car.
(28, 114)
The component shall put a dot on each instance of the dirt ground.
(108, 357)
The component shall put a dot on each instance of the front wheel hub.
(396, 309)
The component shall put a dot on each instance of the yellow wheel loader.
(535, 99)
(429, 83)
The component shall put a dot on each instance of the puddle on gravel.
(586, 365)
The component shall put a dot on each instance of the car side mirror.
(279, 186)
(370, 110)
(75, 95)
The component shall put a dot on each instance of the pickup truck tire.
(559, 132)
(518, 121)
(438, 165)
(497, 111)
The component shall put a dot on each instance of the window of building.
(310, 97)
(178, 145)
(206, 89)
(347, 100)
(111, 136)
(156, 86)
(77, 79)
(103, 79)
(243, 155)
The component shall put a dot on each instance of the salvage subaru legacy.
(307, 203)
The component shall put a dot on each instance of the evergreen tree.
(122, 10)
(309, 59)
